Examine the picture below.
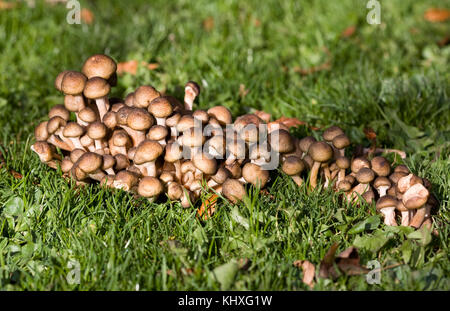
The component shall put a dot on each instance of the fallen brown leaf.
(127, 67)
(436, 15)
(327, 262)
(370, 133)
(290, 122)
(16, 174)
(7, 5)
(87, 16)
(348, 262)
(208, 207)
(263, 115)
(151, 66)
(348, 32)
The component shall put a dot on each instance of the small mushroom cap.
(194, 86)
(205, 163)
(58, 80)
(369, 196)
(308, 161)
(160, 107)
(40, 131)
(351, 179)
(402, 169)
(365, 175)
(359, 163)
(86, 141)
(188, 166)
(221, 175)
(122, 162)
(172, 121)
(97, 130)
(139, 119)
(144, 95)
(292, 165)
(247, 126)
(96, 87)
(201, 115)
(166, 177)
(122, 115)
(381, 166)
(147, 151)
(90, 162)
(344, 185)
(221, 114)
(386, 201)
(73, 129)
(259, 150)
(233, 190)
(110, 119)
(255, 175)
(59, 111)
(66, 165)
(320, 151)
(54, 124)
(73, 83)
(341, 141)
(44, 150)
(407, 181)
(330, 133)
(76, 154)
(193, 137)
(343, 162)
(395, 177)
(235, 170)
(305, 143)
(126, 179)
(87, 114)
(99, 65)
(415, 197)
(157, 132)
(174, 152)
(401, 207)
(281, 141)
(150, 187)
(185, 123)
(216, 142)
(108, 161)
(174, 191)
(381, 181)
(129, 100)
(74, 103)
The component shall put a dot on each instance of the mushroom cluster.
(150, 143)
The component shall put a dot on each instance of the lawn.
(288, 58)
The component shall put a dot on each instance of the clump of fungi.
(150, 143)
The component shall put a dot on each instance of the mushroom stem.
(389, 216)
(102, 106)
(136, 136)
(76, 142)
(405, 218)
(161, 121)
(314, 173)
(57, 142)
(420, 216)
(382, 190)
(297, 179)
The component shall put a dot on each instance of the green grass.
(392, 77)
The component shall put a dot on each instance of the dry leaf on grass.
(348, 32)
(131, 67)
(208, 207)
(347, 262)
(370, 133)
(263, 115)
(436, 15)
(87, 16)
(7, 5)
(309, 271)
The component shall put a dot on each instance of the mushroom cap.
(172, 121)
(293, 165)
(126, 179)
(188, 166)
(216, 142)
(395, 177)
(44, 150)
(185, 123)
(58, 80)
(86, 141)
(205, 163)
(87, 114)
(386, 201)
(247, 126)
(201, 115)
(344, 185)
(381, 166)
(129, 99)
(255, 175)
(415, 197)
(66, 165)
(330, 133)
(194, 86)
(320, 151)
(75, 154)
(221, 114)
(368, 196)
(122, 115)
(259, 150)
(305, 143)
(402, 169)
(147, 151)
(150, 187)
(108, 161)
(341, 141)
(174, 191)
(99, 65)
(59, 111)
(351, 179)
(139, 119)
(233, 190)
(110, 119)
(97, 130)
(40, 131)
(54, 124)
(160, 107)
(281, 141)
(174, 152)
(359, 163)
(74, 103)
(382, 181)
(96, 87)
(405, 182)
(193, 137)
(235, 170)
(144, 95)
(73, 129)
(236, 147)
(401, 207)
(90, 162)
(157, 132)
(221, 175)
(343, 162)
(122, 162)
(166, 177)
(73, 83)
(365, 175)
